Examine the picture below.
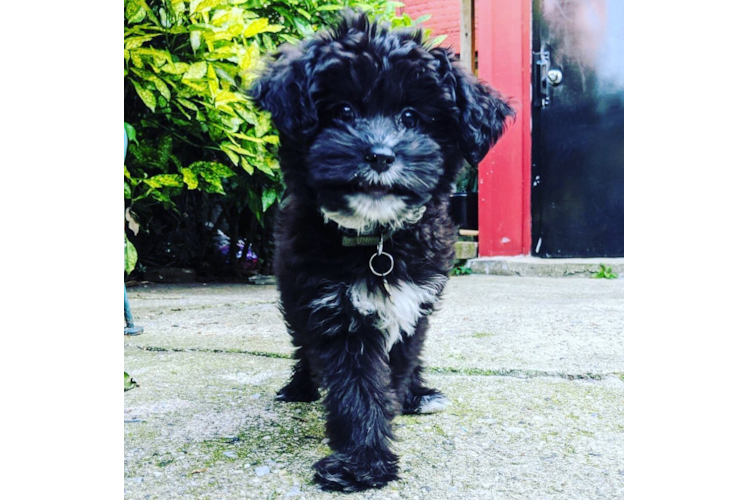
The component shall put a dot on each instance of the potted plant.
(464, 200)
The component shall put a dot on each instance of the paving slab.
(487, 324)
(205, 425)
(571, 326)
(227, 317)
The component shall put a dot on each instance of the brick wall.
(445, 18)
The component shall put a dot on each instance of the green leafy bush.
(197, 145)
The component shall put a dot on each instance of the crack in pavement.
(501, 372)
(152, 309)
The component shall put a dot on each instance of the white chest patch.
(399, 314)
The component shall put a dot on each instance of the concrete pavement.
(533, 366)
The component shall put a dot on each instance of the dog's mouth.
(378, 190)
(367, 188)
(375, 190)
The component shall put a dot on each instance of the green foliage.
(192, 130)
(461, 270)
(132, 135)
(130, 382)
(131, 256)
(467, 180)
(605, 272)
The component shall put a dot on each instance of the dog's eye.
(345, 113)
(409, 118)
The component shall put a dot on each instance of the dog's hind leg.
(420, 399)
(301, 388)
(407, 380)
(360, 407)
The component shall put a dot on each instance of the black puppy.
(374, 127)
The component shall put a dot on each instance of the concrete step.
(535, 266)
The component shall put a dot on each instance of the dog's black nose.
(380, 158)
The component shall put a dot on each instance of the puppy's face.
(382, 144)
(378, 123)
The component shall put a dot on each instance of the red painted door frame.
(504, 176)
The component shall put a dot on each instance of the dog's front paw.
(342, 472)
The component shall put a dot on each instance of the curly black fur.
(374, 128)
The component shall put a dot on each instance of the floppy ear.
(482, 111)
(283, 90)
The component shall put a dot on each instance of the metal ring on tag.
(371, 264)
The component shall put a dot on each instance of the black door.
(577, 128)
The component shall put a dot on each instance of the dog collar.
(377, 241)
(383, 274)
(364, 241)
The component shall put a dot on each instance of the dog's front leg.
(360, 408)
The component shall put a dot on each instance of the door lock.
(555, 76)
